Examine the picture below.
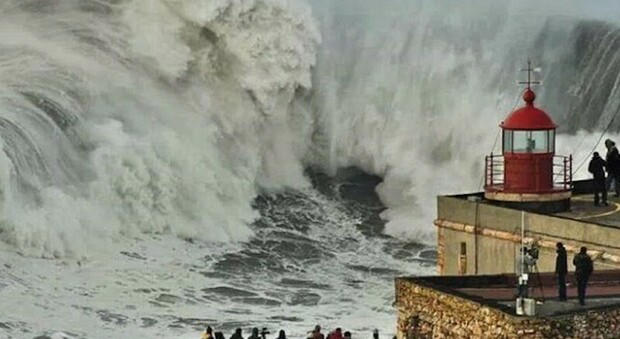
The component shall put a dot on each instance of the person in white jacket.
(524, 262)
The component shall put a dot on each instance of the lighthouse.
(528, 174)
(529, 200)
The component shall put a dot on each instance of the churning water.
(168, 164)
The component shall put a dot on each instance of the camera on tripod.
(534, 252)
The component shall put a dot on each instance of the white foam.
(178, 112)
(414, 91)
(87, 298)
(170, 131)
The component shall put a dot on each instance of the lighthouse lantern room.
(528, 173)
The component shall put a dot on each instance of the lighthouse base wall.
(538, 206)
(481, 237)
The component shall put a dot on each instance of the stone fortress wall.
(428, 311)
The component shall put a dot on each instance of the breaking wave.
(120, 118)
(216, 161)
(413, 91)
(124, 117)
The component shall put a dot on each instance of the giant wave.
(202, 154)
(124, 117)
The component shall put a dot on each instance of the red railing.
(562, 171)
(493, 170)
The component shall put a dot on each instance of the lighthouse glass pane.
(540, 141)
(531, 141)
(519, 141)
(507, 136)
(551, 141)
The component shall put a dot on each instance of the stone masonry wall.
(441, 251)
(442, 315)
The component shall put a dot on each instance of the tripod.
(540, 285)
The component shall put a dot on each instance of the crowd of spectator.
(316, 333)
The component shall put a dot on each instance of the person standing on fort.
(613, 166)
(597, 168)
(561, 269)
(524, 263)
(583, 270)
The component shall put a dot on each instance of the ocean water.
(172, 164)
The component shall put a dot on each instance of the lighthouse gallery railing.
(562, 171)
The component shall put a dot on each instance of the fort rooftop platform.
(477, 243)
(483, 307)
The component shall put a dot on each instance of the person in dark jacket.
(583, 270)
(597, 168)
(254, 334)
(282, 335)
(316, 334)
(237, 334)
(613, 166)
(560, 270)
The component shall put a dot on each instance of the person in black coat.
(237, 335)
(254, 334)
(597, 168)
(561, 269)
(583, 270)
(613, 166)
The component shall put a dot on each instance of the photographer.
(525, 260)
(523, 264)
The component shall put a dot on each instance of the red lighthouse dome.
(528, 172)
(528, 117)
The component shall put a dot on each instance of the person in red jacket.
(335, 334)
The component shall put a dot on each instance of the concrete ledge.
(541, 241)
(527, 197)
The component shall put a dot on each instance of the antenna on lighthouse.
(530, 81)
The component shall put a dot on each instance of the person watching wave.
(237, 335)
(208, 333)
(281, 335)
(316, 334)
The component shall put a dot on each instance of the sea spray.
(132, 117)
